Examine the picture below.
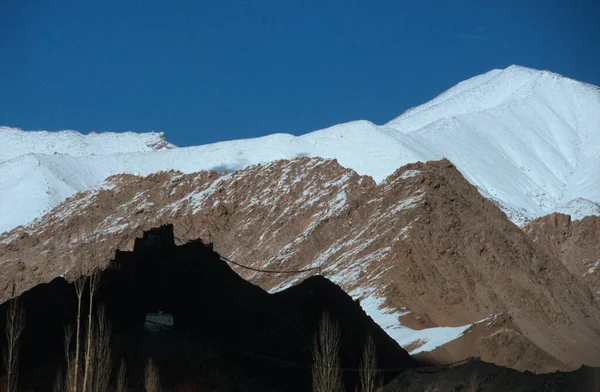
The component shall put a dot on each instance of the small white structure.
(157, 322)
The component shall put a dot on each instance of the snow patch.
(407, 203)
(421, 340)
(593, 268)
(409, 174)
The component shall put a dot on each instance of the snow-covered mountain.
(528, 139)
(430, 260)
(17, 143)
(40, 169)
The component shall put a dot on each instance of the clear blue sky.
(204, 71)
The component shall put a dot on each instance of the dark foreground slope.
(230, 335)
(262, 340)
(486, 377)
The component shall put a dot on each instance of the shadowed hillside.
(254, 335)
(208, 329)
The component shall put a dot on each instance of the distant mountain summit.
(17, 142)
(498, 87)
(527, 139)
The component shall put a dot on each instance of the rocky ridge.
(575, 242)
(423, 251)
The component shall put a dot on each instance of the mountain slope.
(575, 243)
(48, 167)
(17, 143)
(208, 302)
(528, 139)
(429, 258)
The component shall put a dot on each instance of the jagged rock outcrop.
(422, 249)
(575, 242)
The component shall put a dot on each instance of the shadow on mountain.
(208, 329)
(231, 167)
(475, 375)
(220, 330)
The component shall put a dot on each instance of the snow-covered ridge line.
(528, 139)
(17, 142)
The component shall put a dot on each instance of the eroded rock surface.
(575, 242)
(422, 246)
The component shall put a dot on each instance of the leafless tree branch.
(369, 377)
(326, 362)
(121, 378)
(15, 323)
(151, 377)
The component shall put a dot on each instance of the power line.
(435, 369)
(271, 271)
(263, 270)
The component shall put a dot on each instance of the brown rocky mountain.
(575, 243)
(422, 250)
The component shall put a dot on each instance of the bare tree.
(85, 369)
(151, 377)
(96, 359)
(15, 323)
(121, 380)
(66, 382)
(79, 284)
(94, 282)
(89, 368)
(100, 367)
(369, 378)
(59, 381)
(326, 371)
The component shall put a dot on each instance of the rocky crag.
(431, 260)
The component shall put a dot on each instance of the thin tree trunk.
(15, 323)
(369, 379)
(326, 361)
(101, 366)
(94, 279)
(68, 380)
(59, 381)
(79, 287)
(151, 377)
(121, 378)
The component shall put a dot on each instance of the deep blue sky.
(204, 71)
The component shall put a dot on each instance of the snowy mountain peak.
(16, 142)
(527, 139)
(496, 88)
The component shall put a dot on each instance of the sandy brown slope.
(501, 341)
(424, 243)
(575, 243)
